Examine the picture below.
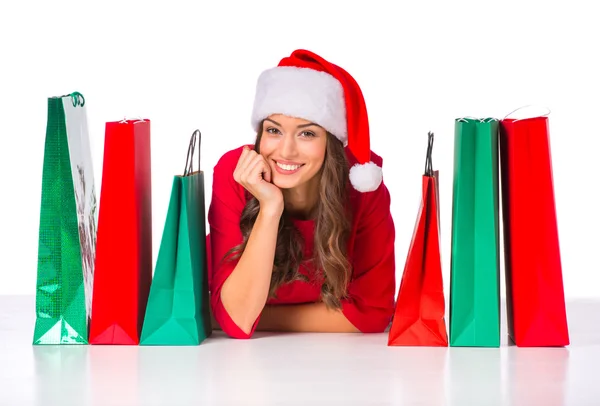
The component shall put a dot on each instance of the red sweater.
(370, 305)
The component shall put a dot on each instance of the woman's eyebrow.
(273, 121)
(306, 125)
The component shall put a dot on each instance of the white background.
(194, 65)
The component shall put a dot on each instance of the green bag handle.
(76, 98)
(189, 161)
(428, 161)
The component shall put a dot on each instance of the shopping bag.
(67, 229)
(178, 306)
(123, 271)
(420, 306)
(475, 253)
(535, 296)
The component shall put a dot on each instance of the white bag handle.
(138, 119)
(481, 120)
(528, 105)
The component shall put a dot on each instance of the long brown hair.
(332, 230)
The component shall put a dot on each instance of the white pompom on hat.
(304, 85)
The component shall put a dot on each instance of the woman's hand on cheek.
(254, 174)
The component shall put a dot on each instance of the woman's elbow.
(221, 320)
(377, 323)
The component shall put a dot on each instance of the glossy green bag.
(475, 251)
(67, 229)
(178, 306)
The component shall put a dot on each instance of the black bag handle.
(189, 161)
(428, 161)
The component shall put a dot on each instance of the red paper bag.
(535, 297)
(123, 268)
(420, 306)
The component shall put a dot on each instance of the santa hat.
(304, 85)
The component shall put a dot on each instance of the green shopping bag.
(67, 229)
(475, 256)
(178, 306)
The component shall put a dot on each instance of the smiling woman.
(295, 151)
(301, 234)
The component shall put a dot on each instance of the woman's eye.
(308, 134)
(272, 130)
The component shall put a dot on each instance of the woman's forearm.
(310, 317)
(246, 290)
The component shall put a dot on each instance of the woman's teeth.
(288, 167)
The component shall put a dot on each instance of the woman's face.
(294, 148)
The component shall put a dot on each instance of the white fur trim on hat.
(366, 177)
(303, 93)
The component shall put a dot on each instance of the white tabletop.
(296, 369)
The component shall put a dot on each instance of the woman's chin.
(285, 184)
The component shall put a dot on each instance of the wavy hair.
(332, 230)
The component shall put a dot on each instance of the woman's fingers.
(242, 163)
(253, 173)
(248, 157)
(267, 171)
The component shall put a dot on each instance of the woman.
(301, 234)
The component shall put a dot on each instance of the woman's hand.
(254, 174)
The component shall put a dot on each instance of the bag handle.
(481, 120)
(528, 105)
(77, 99)
(138, 119)
(189, 161)
(428, 161)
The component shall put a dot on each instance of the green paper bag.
(178, 306)
(67, 229)
(475, 256)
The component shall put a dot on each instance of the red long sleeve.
(228, 202)
(372, 287)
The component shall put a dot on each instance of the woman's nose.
(288, 146)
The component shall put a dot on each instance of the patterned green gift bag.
(67, 230)
(475, 256)
(178, 306)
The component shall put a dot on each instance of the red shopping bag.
(535, 297)
(123, 268)
(420, 306)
